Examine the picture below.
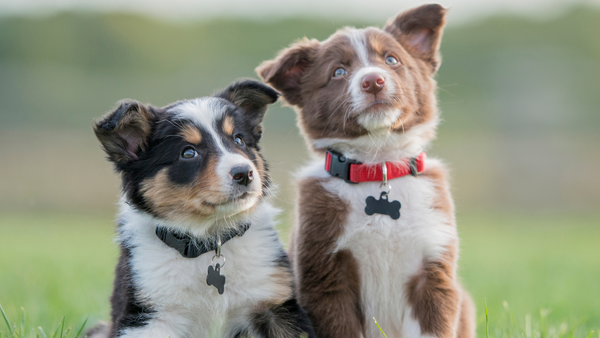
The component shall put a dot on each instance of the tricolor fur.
(194, 167)
(370, 95)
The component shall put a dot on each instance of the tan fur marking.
(260, 167)
(173, 201)
(191, 135)
(282, 280)
(228, 125)
(328, 284)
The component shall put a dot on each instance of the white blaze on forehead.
(358, 39)
(205, 112)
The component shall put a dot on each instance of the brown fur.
(420, 31)
(435, 297)
(323, 103)
(437, 300)
(304, 74)
(282, 281)
(329, 285)
(228, 125)
(173, 202)
(466, 324)
(191, 134)
(443, 200)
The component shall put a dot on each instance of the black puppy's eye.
(239, 141)
(390, 60)
(339, 72)
(189, 153)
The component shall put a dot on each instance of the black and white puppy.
(199, 254)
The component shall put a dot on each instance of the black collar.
(191, 247)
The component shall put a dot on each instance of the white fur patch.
(358, 39)
(382, 145)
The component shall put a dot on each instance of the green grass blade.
(6, 321)
(591, 334)
(56, 331)
(82, 326)
(23, 322)
(376, 323)
(487, 319)
(62, 326)
(42, 332)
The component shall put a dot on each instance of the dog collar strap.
(190, 247)
(353, 171)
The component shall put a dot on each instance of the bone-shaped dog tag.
(215, 278)
(383, 206)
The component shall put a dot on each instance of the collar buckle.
(339, 165)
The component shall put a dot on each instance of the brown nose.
(372, 83)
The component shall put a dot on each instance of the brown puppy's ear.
(124, 131)
(420, 30)
(253, 97)
(286, 70)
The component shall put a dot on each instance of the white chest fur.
(176, 287)
(389, 252)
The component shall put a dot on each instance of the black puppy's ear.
(124, 131)
(286, 70)
(420, 31)
(253, 97)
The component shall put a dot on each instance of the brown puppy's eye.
(339, 72)
(239, 141)
(390, 60)
(189, 153)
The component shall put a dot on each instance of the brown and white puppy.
(192, 176)
(370, 95)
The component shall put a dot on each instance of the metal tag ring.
(221, 256)
(385, 178)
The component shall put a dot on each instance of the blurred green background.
(520, 102)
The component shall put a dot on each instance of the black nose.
(241, 174)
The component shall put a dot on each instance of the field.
(519, 101)
(544, 270)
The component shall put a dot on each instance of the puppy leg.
(436, 300)
(328, 282)
(466, 324)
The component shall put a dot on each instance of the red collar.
(353, 171)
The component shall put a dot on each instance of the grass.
(21, 331)
(59, 268)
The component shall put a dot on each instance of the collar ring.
(384, 182)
